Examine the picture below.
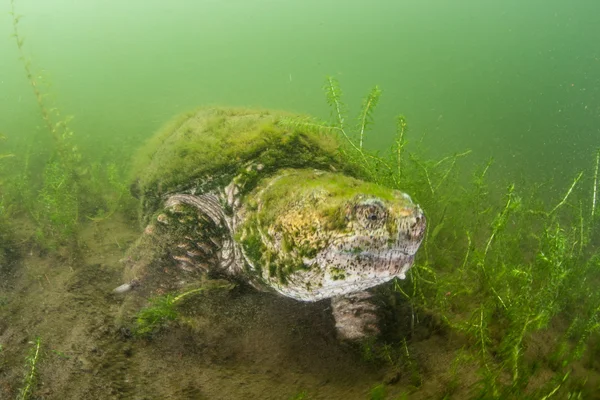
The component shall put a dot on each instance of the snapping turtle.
(247, 194)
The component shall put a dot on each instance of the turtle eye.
(371, 214)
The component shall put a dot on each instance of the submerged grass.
(498, 269)
(67, 190)
(163, 309)
(30, 377)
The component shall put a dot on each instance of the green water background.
(516, 80)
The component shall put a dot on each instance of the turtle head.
(315, 234)
(382, 234)
(397, 221)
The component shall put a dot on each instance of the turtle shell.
(205, 149)
(269, 197)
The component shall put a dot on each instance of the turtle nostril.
(416, 222)
(417, 228)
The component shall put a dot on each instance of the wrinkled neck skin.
(339, 270)
(374, 271)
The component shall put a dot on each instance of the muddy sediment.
(226, 344)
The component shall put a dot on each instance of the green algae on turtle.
(206, 149)
(241, 193)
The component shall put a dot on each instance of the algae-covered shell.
(268, 197)
(206, 148)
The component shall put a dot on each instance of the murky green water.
(516, 81)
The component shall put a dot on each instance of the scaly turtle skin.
(246, 194)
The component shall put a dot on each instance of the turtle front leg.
(355, 316)
(181, 243)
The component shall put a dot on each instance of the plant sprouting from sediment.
(57, 125)
(60, 188)
(162, 310)
(155, 316)
(386, 169)
(30, 376)
(506, 260)
(65, 193)
(595, 187)
(365, 118)
(521, 263)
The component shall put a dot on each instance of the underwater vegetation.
(30, 376)
(508, 275)
(163, 309)
(499, 269)
(5, 208)
(71, 188)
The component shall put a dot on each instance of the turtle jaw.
(376, 258)
(411, 231)
(408, 233)
(384, 264)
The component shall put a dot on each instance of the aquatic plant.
(595, 186)
(374, 167)
(155, 316)
(163, 310)
(300, 396)
(57, 125)
(378, 392)
(60, 188)
(107, 182)
(508, 262)
(6, 209)
(65, 193)
(5, 155)
(355, 134)
(513, 280)
(30, 377)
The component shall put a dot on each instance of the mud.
(227, 344)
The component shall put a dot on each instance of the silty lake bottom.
(501, 303)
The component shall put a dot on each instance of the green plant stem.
(464, 264)
(581, 230)
(430, 185)
(564, 200)
(501, 217)
(334, 98)
(401, 127)
(454, 158)
(553, 392)
(595, 182)
(30, 376)
(517, 346)
(366, 113)
(181, 296)
(30, 76)
(482, 337)
(335, 95)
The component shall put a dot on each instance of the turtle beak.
(411, 230)
(416, 230)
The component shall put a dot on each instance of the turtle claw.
(126, 287)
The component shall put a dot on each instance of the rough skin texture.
(324, 234)
(295, 224)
